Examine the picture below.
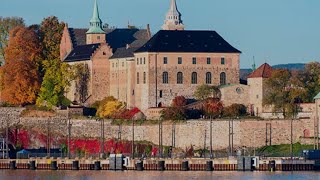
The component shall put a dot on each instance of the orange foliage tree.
(20, 76)
(213, 107)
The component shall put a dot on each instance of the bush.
(235, 110)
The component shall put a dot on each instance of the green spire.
(95, 22)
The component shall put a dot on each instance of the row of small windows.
(144, 78)
(141, 61)
(117, 64)
(194, 78)
(194, 60)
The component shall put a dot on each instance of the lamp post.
(48, 137)
(211, 153)
(297, 101)
(132, 148)
(101, 137)
(69, 134)
(160, 137)
(7, 136)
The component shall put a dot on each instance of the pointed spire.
(173, 18)
(95, 22)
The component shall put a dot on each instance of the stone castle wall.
(247, 132)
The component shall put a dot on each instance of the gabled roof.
(124, 53)
(81, 53)
(187, 41)
(264, 71)
(116, 38)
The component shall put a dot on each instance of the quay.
(121, 163)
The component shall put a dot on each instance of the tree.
(108, 107)
(6, 25)
(205, 91)
(235, 110)
(55, 83)
(309, 78)
(20, 76)
(179, 101)
(20, 82)
(177, 111)
(81, 75)
(281, 92)
(50, 34)
(213, 107)
(24, 45)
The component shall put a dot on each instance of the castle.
(147, 72)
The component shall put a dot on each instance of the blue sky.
(274, 31)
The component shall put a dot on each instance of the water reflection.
(154, 175)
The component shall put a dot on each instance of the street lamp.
(160, 137)
(211, 153)
(101, 137)
(132, 148)
(69, 134)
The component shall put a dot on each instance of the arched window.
(144, 77)
(165, 78)
(194, 78)
(223, 78)
(179, 78)
(208, 78)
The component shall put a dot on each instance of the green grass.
(283, 150)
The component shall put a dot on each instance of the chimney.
(148, 31)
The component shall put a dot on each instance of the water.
(154, 175)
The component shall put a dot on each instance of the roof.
(116, 38)
(80, 53)
(317, 96)
(124, 52)
(187, 41)
(264, 71)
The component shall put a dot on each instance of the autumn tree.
(6, 25)
(205, 91)
(282, 90)
(309, 78)
(24, 44)
(50, 34)
(213, 107)
(20, 82)
(81, 77)
(20, 76)
(55, 83)
(177, 110)
(235, 110)
(108, 107)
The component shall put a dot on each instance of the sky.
(272, 31)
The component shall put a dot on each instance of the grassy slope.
(283, 150)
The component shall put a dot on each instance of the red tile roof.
(264, 71)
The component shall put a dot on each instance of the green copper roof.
(95, 22)
(317, 96)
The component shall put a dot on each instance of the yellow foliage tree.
(108, 107)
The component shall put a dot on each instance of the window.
(132, 92)
(122, 64)
(179, 60)
(98, 37)
(194, 60)
(144, 77)
(140, 60)
(179, 78)
(165, 78)
(137, 61)
(223, 78)
(222, 60)
(194, 78)
(208, 78)
(137, 78)
(160, 94)
(144, 60)
(208, 60)
(165, 60)
(112, 64)
(104, 53)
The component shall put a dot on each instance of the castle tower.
(96, 34)
(173, 19)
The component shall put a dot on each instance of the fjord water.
(124, 175)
